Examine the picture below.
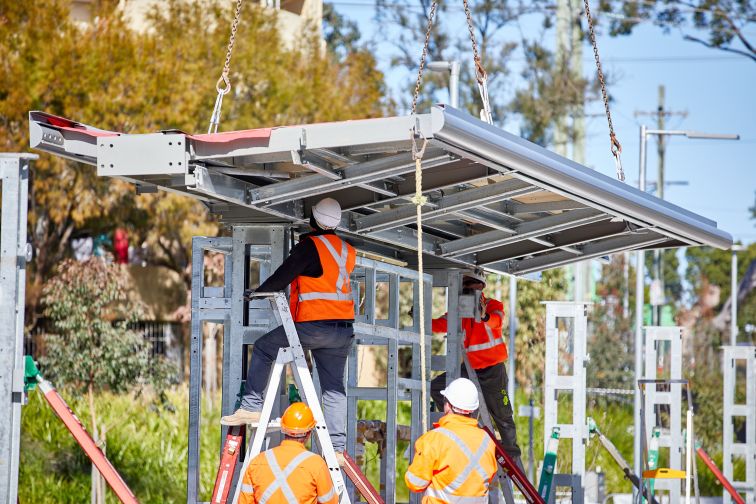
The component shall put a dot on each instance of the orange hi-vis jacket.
(288, 473)
(483, 340)
(328, 297)
(455, 462)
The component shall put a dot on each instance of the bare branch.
(721, 48)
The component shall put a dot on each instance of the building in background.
(295, 17)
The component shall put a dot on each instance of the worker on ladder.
(487, 354)
(456, 461)
(289, 472)
(321, 305)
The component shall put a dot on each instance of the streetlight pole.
(453, 68)
(639, 284)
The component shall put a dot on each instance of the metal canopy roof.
(495, 201)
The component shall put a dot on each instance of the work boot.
(242, 417)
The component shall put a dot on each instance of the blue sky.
(717, 89)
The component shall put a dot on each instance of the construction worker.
(317, 270)
(456, 461)
(487, 353)
(289, 472)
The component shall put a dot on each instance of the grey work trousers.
(493, 383)
(330, 343)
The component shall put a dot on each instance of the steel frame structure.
(14, 254)
(252, 254)
(494, 200)
(671, 437)
(745, 410)
(565, 370)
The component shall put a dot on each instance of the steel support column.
(740, 402)
(661, 341)
(565, 363)
(14, 253)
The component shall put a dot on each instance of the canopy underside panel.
(494, 200)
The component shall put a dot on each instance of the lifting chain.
(481, 77)
(223, 86)
(423, 56)
(616, 147)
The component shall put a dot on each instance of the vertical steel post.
(557, 379)
(14, 178)
(639, 298)
(671, 436)
(745, 411)
(734, 297)
(454, 84)
(512, 337)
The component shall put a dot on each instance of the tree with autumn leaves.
(108, 75)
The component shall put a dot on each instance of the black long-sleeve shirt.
(303, 260)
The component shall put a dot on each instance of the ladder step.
(664, 473)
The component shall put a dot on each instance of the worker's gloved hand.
(483, 315)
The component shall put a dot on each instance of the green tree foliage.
(611, 339)
(726, 23)
(91, 348)
(111, 76)
(713, 266)
(530, 338)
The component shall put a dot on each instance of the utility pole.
(570, 128)
(661, 114)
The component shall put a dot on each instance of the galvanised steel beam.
(572, 238)
(548, 206)
(560, 258)
(369, 171)
(462, 200)
(456, 172)
(534, 228)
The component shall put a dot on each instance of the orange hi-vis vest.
(328, 297)
(288, 474)
(483, 340)
(453, 463)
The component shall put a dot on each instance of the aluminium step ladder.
(293, 356)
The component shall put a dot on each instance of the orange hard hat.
(297, 420)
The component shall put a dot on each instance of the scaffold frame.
(671, 435)
(747, 411)
(14, 254)
(572, 380)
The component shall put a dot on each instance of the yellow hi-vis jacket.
(288, 474)
(454, 463)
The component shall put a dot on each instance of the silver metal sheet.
(556, 212)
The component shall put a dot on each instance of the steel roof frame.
(494, 200)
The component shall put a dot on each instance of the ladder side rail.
(255, 447)
(392, 385)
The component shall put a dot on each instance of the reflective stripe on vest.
(473, 463)
(282, 475)
(455, 499)
(328, 496)
(492, 341)
(343, 278)
(247, 488)
(417, 480)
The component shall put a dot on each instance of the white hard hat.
(462, 394)
(474, 276)
(327, 213)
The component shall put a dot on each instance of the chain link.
(480, 72)
(424, 55)
(616, 147)
(231, 40)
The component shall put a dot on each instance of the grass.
(148, 447)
